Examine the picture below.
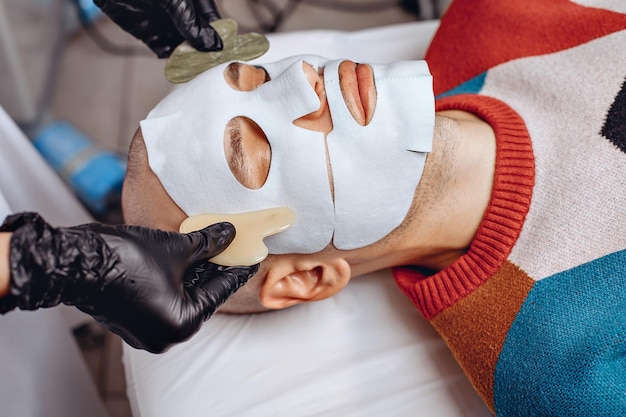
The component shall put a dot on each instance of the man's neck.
(450, 201)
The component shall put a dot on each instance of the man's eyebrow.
(237, 161)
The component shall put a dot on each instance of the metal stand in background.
(22, 106)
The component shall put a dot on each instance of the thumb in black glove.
(164, 24)
(151, 287)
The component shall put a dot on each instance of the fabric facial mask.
(375, 168)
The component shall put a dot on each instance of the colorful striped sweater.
(535, 311)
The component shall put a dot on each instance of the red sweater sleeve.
(476, 35)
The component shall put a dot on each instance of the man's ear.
(293, 279)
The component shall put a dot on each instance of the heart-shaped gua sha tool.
(186, 62)
(252, 227)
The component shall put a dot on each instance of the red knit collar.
(503, 220)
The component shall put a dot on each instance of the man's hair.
(141, 190)
(134, 172)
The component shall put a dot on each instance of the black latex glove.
(164, 24)
(153, 288)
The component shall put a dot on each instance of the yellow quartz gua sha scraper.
(186, 62)
(252, 227)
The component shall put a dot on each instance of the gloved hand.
(151, 287)
(163, 24)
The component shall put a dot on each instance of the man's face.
(342, 144)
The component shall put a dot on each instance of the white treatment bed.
(364, 352)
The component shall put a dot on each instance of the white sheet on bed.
(376, 45)
(364, 352)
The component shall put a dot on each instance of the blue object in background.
(88, 10)
(95, 175)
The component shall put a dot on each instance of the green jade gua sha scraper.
(186, 62)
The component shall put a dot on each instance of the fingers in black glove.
(148, 306)
(208, 10)
(175, 249)
(134, 280)
(190, 18)
(164, 24)
(204, 289)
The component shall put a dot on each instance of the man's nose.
(319, 120)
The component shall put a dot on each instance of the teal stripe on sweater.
(472, 86)
(565, 354)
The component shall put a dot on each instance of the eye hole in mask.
(243, 77)
(248, 152)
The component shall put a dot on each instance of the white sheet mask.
(376, 168)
